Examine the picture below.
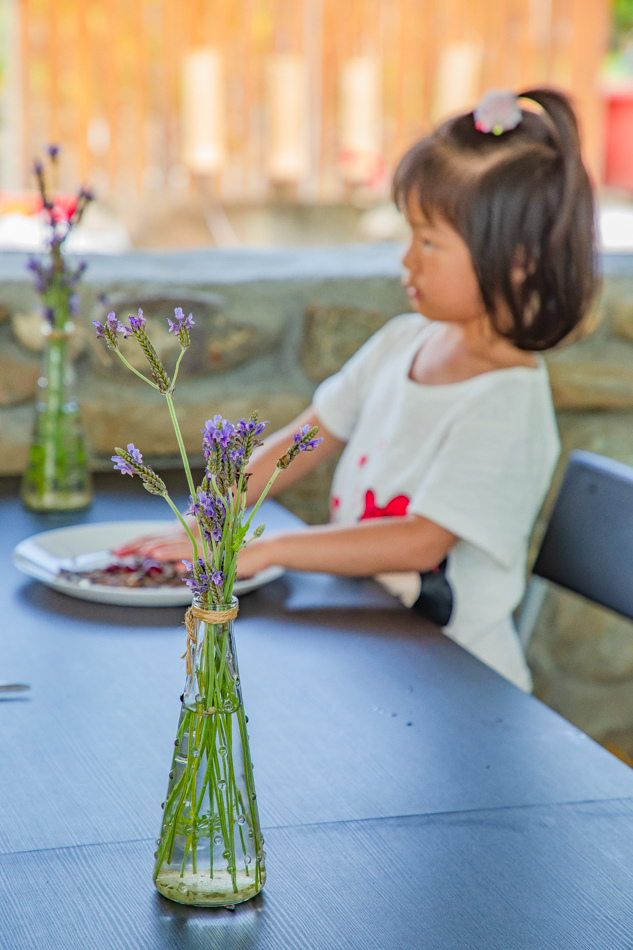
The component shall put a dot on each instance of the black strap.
(435, 602)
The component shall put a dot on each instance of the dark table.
(410, 797)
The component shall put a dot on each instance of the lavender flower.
(139, 322)
(182, 327)
(302, 441)
(137, 329)
(218, 431)
(73, 304)
(202, 505)
(252, 427)
(203, 577)
(54, 278)
(48, 314)
(198, 583)
(130, 462)
(110, 330)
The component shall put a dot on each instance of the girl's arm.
(265, 457)
(175, 545)
(380, 545)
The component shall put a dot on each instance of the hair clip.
(497, 111)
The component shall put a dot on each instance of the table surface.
(410, 797)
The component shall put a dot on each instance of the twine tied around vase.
(213, 617)
(58, 335)
(64, 333)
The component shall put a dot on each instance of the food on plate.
(130, 572)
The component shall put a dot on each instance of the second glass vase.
(57, 476)
(210, 847)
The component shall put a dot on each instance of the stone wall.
(269, 326)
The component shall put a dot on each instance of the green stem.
(181, 444)
(187, 467)
(176, 368)
(184, 524)
(135, 371)
(261, 498)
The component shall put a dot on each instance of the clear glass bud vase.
(210, 847)
(57, 477)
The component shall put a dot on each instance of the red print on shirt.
(396, 508)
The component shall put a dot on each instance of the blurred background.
(263, 122)
(228, 143)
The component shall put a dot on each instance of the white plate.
(89, 546)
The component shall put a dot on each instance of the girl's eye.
(427, 242)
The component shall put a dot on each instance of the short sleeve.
(489, 478)
(339, 400)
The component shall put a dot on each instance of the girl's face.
(438, 270)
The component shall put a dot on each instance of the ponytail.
(564, 130)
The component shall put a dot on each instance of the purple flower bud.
(110, 331)
(73, 304)
(122, 466)
(219, 431)
(182, 321)
(204, 505)
(135, 453)
(310, 445)
(139, 322)
(48, 314)
(125, 465)
(300, 434)
(38, 168)
(53, 151)
(182, 327)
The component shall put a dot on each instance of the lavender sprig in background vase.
(210, 849)
(57, 476)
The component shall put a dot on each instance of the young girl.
(445, 414)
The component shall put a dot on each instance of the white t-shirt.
(476, 457)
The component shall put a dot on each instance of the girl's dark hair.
(520, 199)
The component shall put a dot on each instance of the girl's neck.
(454, 352)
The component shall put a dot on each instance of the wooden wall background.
(104, 79)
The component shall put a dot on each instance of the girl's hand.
(171, 546)
(255, 557)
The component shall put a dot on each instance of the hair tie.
(497, 111)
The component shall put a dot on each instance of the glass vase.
(210, 848)
(57, 477)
